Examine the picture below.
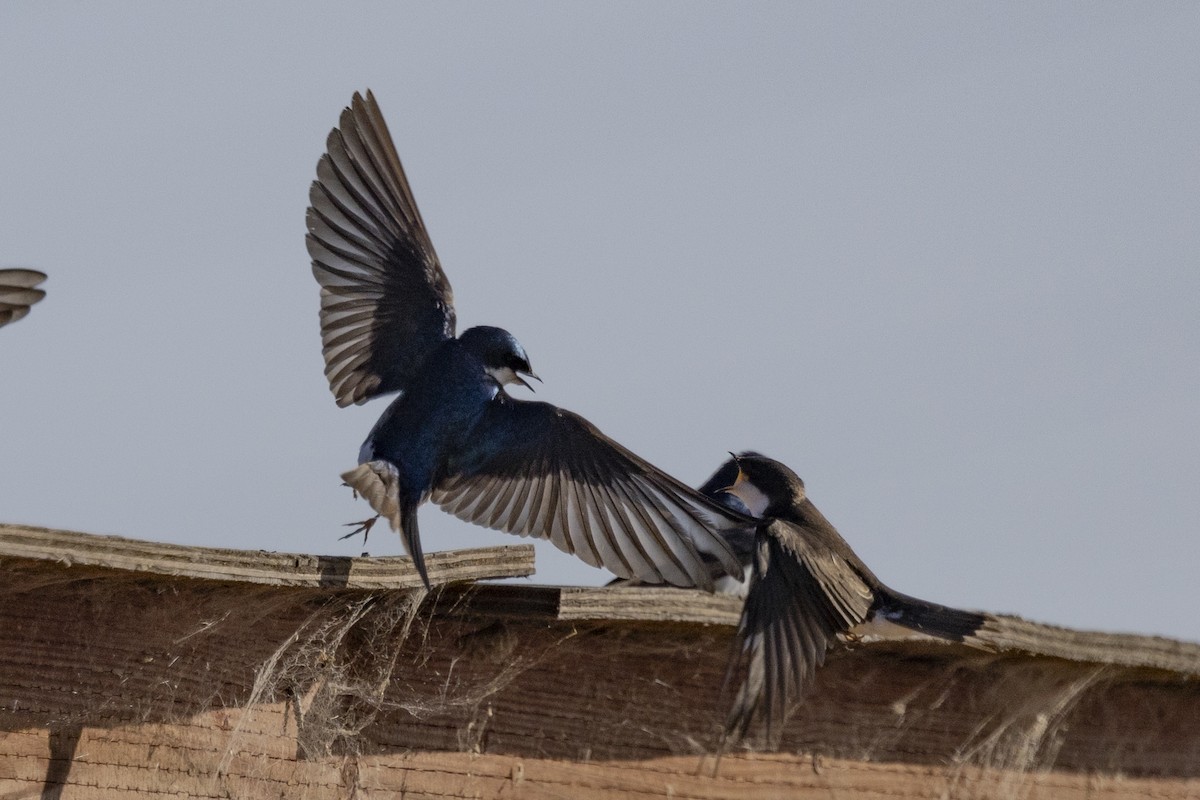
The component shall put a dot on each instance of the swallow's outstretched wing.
(385, 301)
(802, 595)
(537, 470)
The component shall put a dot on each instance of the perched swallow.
(18, 292)
(453, 435)
(806, 587)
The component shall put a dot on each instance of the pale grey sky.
(942, 259)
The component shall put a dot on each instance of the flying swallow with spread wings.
(454, 435)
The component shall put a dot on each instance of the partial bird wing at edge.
(18, 292)
(539, 470)
(385, 301)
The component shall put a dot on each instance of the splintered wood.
(124, 684)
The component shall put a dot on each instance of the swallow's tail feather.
(412, 537)
(378, 483)
(929, 618)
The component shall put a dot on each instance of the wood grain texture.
(113, 764)
(260, 566)
(1003, 633)
(1013, 634)
(121, 683)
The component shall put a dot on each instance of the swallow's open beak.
(752, 497)
(524, 382)
(733, 487)
(741, 476)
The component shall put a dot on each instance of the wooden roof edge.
(643, 604)
(1003, 634)
(631, 604)
(1010, 633)
(260, 566)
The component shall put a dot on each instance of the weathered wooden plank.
(631, 604)
(106, 767)
(1004, 633)
(260, 566)
(1013, 634)
(132, 684)
(759, 777)
(648, 604)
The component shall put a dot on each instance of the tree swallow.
(453, 435)
(18, 292)
(806, 587)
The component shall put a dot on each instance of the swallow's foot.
(363, 527)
